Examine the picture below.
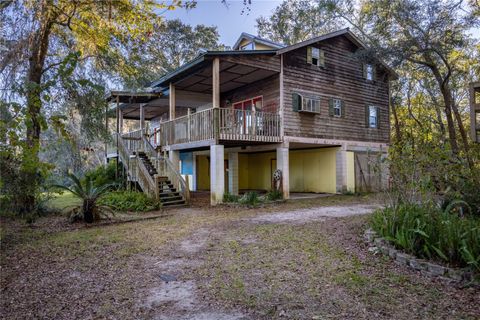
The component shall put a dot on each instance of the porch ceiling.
(232, 76)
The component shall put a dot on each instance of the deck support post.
(142, 123)
(171, 101)
(120, 116)
(233, 173)
(216, 98)
(284, 166)
(217, 174)
(345, 170)
(174, 157)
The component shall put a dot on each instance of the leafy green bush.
(90, 210)
(129, 201)
(250, 198)
(274, 195)
(429, 232)
(228, 197)
(103, 174)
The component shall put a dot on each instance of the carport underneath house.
(305, 168)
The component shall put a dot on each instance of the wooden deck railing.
(222, 124)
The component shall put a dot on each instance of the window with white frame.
(372, 117)
(316, 56)
(337, 107)
(311, 104)
(369, 72)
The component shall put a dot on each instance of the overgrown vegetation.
(103, 174)
(428, 232)
(129, 201)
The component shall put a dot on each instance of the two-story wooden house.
(318, 111)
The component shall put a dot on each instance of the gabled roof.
(345, 32)
(257, 39)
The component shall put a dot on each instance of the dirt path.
(300, 216)
(177, 296)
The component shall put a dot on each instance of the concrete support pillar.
(171, 101)
(341, 170)
(283, 165)
(233, 173)
(174, 156)
(217, 174)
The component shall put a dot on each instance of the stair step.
(172, 206)
(173, 202)
(168, 199)
(169, 194)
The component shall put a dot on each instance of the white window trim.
(337, 107)
(310, 97)
(370, 71)
(376, 117)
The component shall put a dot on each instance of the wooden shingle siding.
(342, 78)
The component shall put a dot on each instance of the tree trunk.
(463, 134)
(448, 100)
(38, 51)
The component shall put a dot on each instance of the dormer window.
(316, 56)
(248, 46)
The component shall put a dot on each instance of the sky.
(229, 19)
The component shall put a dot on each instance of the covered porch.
(220, 98)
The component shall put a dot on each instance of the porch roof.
(195, 75)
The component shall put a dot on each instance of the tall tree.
(295, 21)
(169, 46)
(46, 41)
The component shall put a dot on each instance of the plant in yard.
(89, 210)
(250, 198)
(273, 195)
(129, 201)
(228, 197)
(429, 232)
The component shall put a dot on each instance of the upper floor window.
(316, 56)
(305, 103)
(372, 116)
(248, 46)
(369, 71)
(336, 107)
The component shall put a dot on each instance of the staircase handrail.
(147, 183)
(176, 178)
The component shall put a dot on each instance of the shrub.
(250, 198)
(274, 195)
(129, 201)
(103, 174)
(89, 210)
(228, 197)
(429, 232)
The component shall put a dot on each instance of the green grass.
(63, 200)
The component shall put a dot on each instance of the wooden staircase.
(155, 174)
(167, 193)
